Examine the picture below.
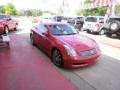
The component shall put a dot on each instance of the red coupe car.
(64, 44)
(7, 24)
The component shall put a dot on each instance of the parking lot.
(104, 75)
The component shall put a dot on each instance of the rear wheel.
(32, 40)
(57, 58)
(16, 27)
(108, 34)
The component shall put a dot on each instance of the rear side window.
(2, 17)
(91, 19)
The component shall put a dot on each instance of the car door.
(1, 27)
(40, 35)
(2, 21)
(48, 40)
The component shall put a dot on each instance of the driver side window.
(42, 28)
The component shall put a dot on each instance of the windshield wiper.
(70, 33)
(57, 34)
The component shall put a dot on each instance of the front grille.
(88, 52)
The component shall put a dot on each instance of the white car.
(94, 24)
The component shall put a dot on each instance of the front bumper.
(80, 61)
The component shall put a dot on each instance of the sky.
(51, 5)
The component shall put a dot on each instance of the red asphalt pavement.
(22, 67)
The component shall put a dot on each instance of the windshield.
(63, 29)
(91, 19)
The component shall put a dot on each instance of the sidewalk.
(112, 42)
(23, 67)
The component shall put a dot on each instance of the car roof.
(52, 22)
(3, 14)
(96, 16)
(114, 16)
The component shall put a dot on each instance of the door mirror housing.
(45, 33)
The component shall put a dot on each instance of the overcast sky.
(42, 4)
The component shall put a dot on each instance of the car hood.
(77, 41)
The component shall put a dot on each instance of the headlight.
(70, 50)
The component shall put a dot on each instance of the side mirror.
(45, 33)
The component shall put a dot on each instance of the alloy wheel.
(57, 58)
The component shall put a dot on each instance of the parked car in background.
(35, 20)
(71, 20)
(7, 24)
(64, 44)
(94, 24)
(58, 18)
(113, 26)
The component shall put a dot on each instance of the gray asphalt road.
(104, 75)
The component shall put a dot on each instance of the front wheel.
(88, 31)
(57, 58)
(16, 27)
(108, 34)
(102, 31)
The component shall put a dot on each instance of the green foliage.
(95, 11)
(117, 10)
(49, 12)
(88, 1)
(20, 13)
(36, 12)
(30, 12)
(10, 9)
(2, 9)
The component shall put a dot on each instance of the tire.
(88, 31)
(102, 31)
(6, 30)
(16, 27)
(116, 26)
(32, 40)
(108, 34)
(57, 58)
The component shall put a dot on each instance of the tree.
(94, 11)
(2, 9)
(88, 1)
(36, 12)
(117, 10)
(10, 9)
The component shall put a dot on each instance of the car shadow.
(14, 31)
